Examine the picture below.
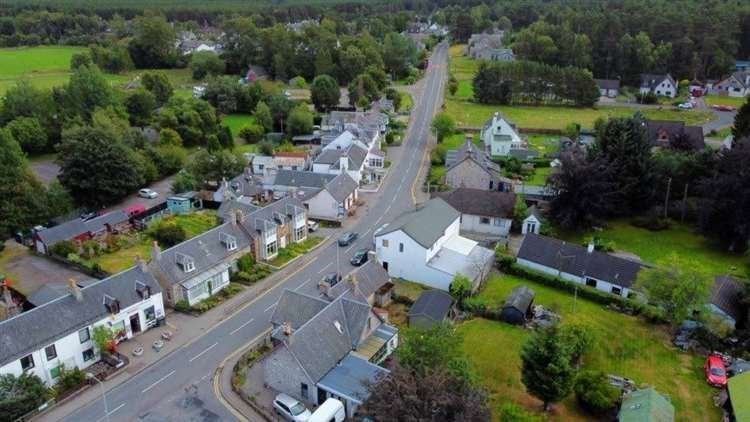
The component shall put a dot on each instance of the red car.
(721, 107)
(716, 372)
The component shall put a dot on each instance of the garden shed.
(517, 308)
(431, 308)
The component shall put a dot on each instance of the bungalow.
(431, 308)
(59, 332)
(609, 88)
(727, 293)
(327, 349)
(735, 85)
(500, 137)
(482, 212)
(425, 246)
(471, 167)
(578, 264)
(325, 196)
(80, 230)
(675, 134)
(661, 85)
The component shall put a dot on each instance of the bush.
(69, 380)
(91, 248)
(182, 306)
(651, 222)
(511, 412)
(503, 261)
(246, 262)
(64, 248)
(594, 392)
(169, 233)
(649, 98)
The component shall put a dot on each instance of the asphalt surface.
(178, 387)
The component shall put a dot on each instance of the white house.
(736, 85)
(59, 332)
(578, 264)
(488, 213)
(355, 149)
(425, 246)
(326, 196)
(500, 136)
(350, 160)
(532, 223)
(661, 85)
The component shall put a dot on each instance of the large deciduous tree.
(158, 84)
(443, 125)
(29, 133)
(325, 92)
(300, 121)
(20, 395)
(741, 128)
(677, 290)
(140, 105)
(153, 45)
(204, 63)
(86, 91)
(215, 166)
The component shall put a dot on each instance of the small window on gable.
(229, 241)
(384, 243)
(185, 262)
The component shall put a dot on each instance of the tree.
(104, 339)
(204, 63)
(578, 340)
(140, 105)
(263, 116)
(460, 288)
(153, 45)
(678, 291)
(20, 395)
(363, 89)
(80, 59)
(86, 91)
(351, 63)
(168, 233)
(408, 395)
(443, 125)
(325, 92)
(252, 133)
(452, 84)
(395, 96)
(213, 167)
(520, 212)
(184, 182)
(595, 393)
(158, 84)
(399, 54)
(741, 128)
(300, 121)
(29, 133)
(170, 137)
(546, 369)
(437, 347)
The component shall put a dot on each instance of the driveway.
(46, 170)
(162, 187)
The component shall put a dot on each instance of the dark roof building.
(608, 84)
(431, 307)
(727, 294)
(674, 134)
(481, 202)
(517, 307)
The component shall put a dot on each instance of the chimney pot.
(141, 263)
(155, 251)
(75, 290)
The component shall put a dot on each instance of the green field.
(731, 101)
(45, 67)
(624, 345)
(237, 121)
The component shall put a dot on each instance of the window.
(27, 362)
(498, 221)
(149, 313)
(51, 352)
(484, 220)
(271, 249)
(384, 243)
(260, 166)
(300, 233)
(54, 372)
(616, 290)
(84, 335)
(88, 354)
(591, 282)
(400, 247)
(303, 390)
(492, 186)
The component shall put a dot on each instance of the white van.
(331, 410)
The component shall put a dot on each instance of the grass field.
(407, 102)
(539, 178)
(624, 345)
(732, 101)
(691, 249)
(45, 67)
(237, 121)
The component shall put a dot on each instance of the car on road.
(348, 238)
(722, 107)
(359, 258)
(716, 372)
(331, 279)
(290, 408)
(148, 193)
(88, 215)
(685, 106)
(312, 226)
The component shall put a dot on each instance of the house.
(325, 196)
(578, 264)
(274, 226)
(243, 186)
(727, 295)
(59, 331)
(356, 152)
(325, 349)
(350, 160)
(661, 85)
(489, 46)
(370, 281)
(609, 88)
(697, 88)
(735, 85)
(482, 212)
(424, 246)
(263, 165)
(184, 203)
(675, 134)
(532, 223)
(645, 405)
(518, 307)
(79, 230)
(292, 160)
(472, 167)
(739, 397)
(229, 208)
(500, 137)
(431, 308)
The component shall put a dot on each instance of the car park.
(348, 238)
(147, 193)
(716, 372)
(290, 408)
(359, 258)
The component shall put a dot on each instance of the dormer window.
(229, 241)
(143, 290)
(112, 304)
(278, 217)
(185, 262)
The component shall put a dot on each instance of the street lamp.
(104, 396)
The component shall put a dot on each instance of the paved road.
(178, 387)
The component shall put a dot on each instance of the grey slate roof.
(352, 377)
(296, 308)
(369, 278)
(353, 152)
(341, 186)
(425, 225)
(672, 129)
(302, 179)
(434, 304)
(607, 83)
(31, 330)
(575, 259)
(64, 231)
(650, 81)
(523, 154)
(110, 218)
(253, 223)
(227, 208)
(520, 298)
(726, 294)
(469, 151)
(47, 293)
(481, 202)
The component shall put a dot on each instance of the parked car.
(332, 279)
(148, 193)
(359, 258)
(312, 226)
(331, 410)
(716, 372)
(685, 106)
(347, 238)
(722, 107)
(88, 215)
(290, 408)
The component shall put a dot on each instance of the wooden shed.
(517, 308)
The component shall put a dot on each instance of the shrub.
(594, 392)
(182, 306)
(246, 262)
(503, 261)
(69, 380)
(511, 412)
(651, 222)
(169, 233)
(649, 98)
(64, 248)
(91, 248)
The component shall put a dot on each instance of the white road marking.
(203, 352)
(157, 382)
(325, 268)
(365, 233)
(389, 207)
(269, 308)
(241, 326)
(111, 412)
(303, 284)
(348, 249)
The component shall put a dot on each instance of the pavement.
(175, 385)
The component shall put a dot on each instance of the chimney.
(155, 252)
(236, 217)
(141, 263)
(344, 162)
(75, 290)
(591, 247)
(286, 328)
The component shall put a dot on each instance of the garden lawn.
(237, 121)
(470, 114)
(44, 66)
(539, 178)
(408, 289)
(690, 248)
(294, 250)
(545, 144)
(407, 102)
(719, 99)
(624, 345)
(139, 244)
(463, 68)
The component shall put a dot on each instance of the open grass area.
(407, 102)
(539, 178)
(45, 66)
(294, 250)
(691, 249)
(237, 121)
(408, 289)
(624, 345)
(545, 144)
(470, 114)
(720, 99)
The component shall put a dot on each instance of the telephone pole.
(666, 197)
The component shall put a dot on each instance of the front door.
(385, 266)
(321, 396)
(135, 324)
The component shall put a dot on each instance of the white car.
(312, 226)
(148, 193)
(290, 408)
(686, 106)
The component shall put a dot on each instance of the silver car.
(290, 408)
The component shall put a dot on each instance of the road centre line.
(111, 412)
(325, 268)
(158, 381)
(241, 326)
(203, 352)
